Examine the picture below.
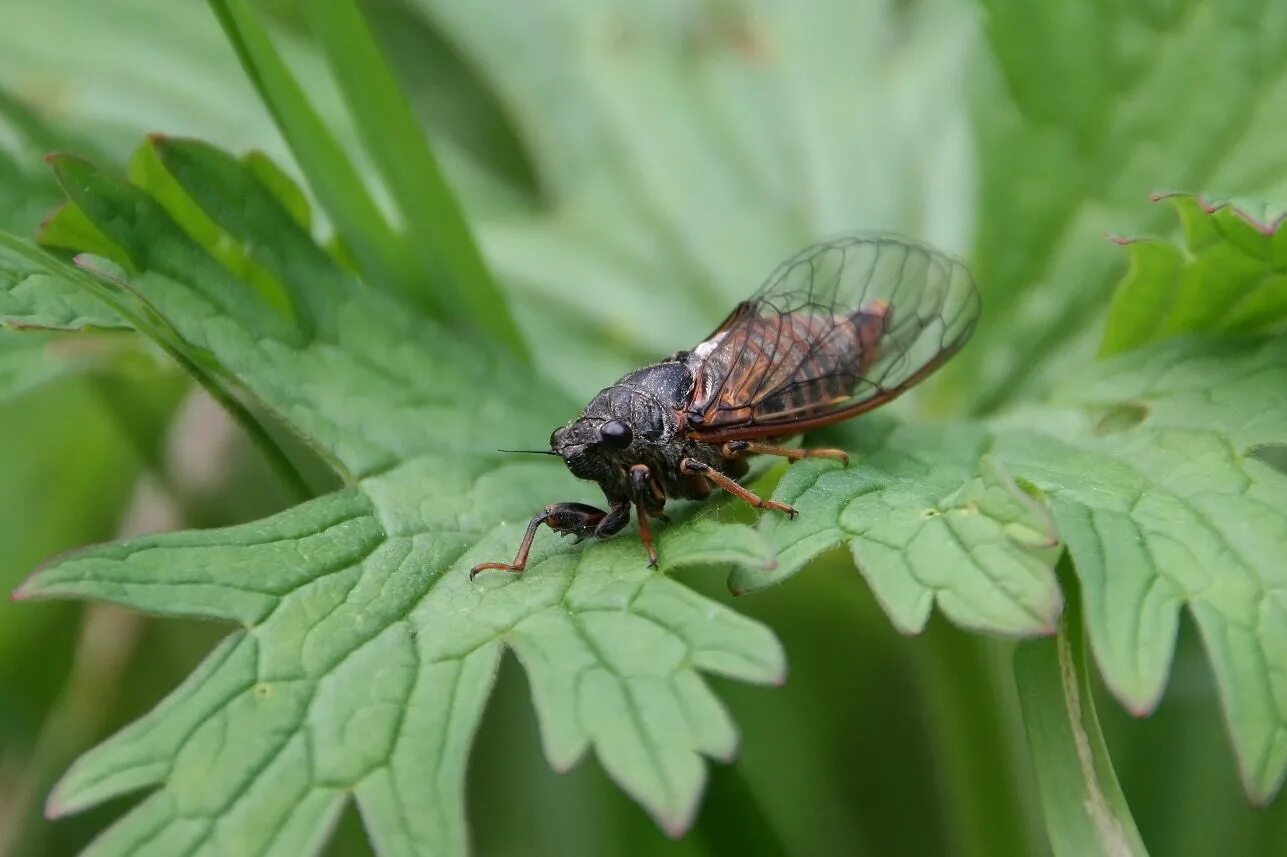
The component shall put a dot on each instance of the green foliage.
(362, 656)
(930, 519)
(1082, 112)
(1086, 812)
(31, 297)
(1174, 511)
(1232, 279)
(374, 575)
(786, 127)
(435, 226)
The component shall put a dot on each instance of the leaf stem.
(256, 431)
(974, 716)
(1085, 810)
(398, 147)
(732, 821)
(385, 256)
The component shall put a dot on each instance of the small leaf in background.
(1230, 279)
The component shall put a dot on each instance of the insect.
(838, 329)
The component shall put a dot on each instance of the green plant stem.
(732, 821)
(402, 154)
(105, 649)
(114, 294)
(972, 713)
(1086, 812)
(385, 256)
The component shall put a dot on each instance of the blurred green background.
(587, 178)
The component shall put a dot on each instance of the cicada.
(838, 329)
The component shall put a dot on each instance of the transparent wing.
(840, 328)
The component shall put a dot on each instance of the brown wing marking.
(790, 425)
(838, 329)
(785, 367)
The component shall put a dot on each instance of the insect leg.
(618, 516)
(576, 519)
(691, 466)
(645, 489)
(738, 448)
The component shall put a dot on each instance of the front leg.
(576, 519)
(649, 500)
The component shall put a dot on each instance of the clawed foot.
(495, 566)
(781, 507)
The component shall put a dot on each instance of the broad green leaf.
(1170, 508)
(1081, 111)
(1232, 279)
(365, 654)
(1085, 810)
(929, 521)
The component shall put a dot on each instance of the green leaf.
(1082, 112)
(366, 653)
(1085, 810)
(148, 171)
(401, 152)
(282, 186)
(1172, 509)
(929, 521)
(67, 228)
(1231, 280)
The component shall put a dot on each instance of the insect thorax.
(647, 399)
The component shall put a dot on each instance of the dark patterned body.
(839, 329)
(654, 403)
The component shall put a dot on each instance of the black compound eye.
(615, 434)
